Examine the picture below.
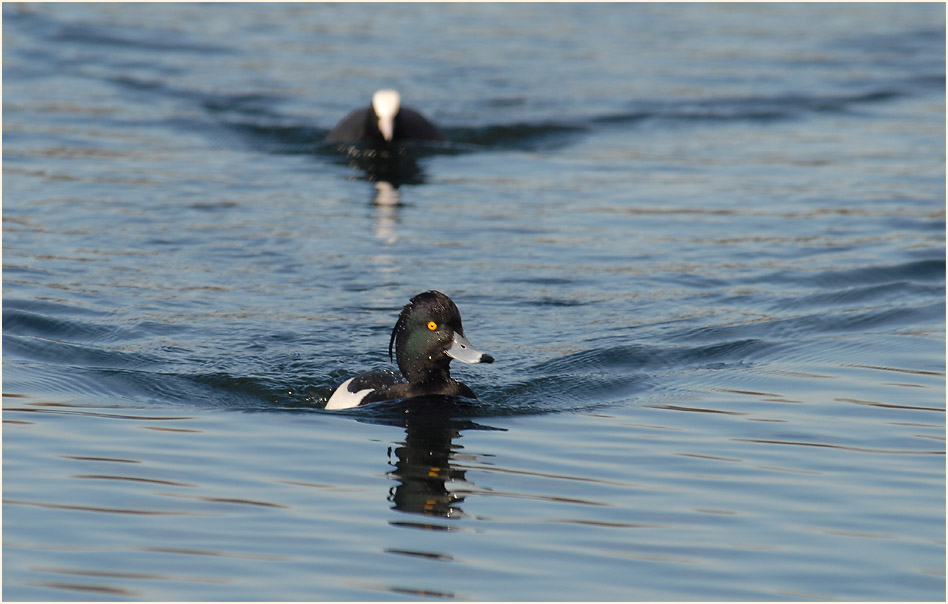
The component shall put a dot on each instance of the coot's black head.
(428, 335)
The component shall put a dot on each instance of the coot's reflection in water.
(386, 201)
(389, 168)
(428, 479)
(395, 164)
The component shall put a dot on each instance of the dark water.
(705, 243)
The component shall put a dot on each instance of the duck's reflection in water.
(427, 478)
(423, 471)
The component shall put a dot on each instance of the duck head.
(428, 335)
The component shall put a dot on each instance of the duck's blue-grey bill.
(463, 351)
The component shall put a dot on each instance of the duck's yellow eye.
(432, 325)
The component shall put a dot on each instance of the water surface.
(705, 243)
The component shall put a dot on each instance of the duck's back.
(381, 385)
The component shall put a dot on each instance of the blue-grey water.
(705, 243)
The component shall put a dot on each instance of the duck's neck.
(436, 374)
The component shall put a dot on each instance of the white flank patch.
(343, 398)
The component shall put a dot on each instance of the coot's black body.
(384, 122)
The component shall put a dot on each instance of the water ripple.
(100, 509)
